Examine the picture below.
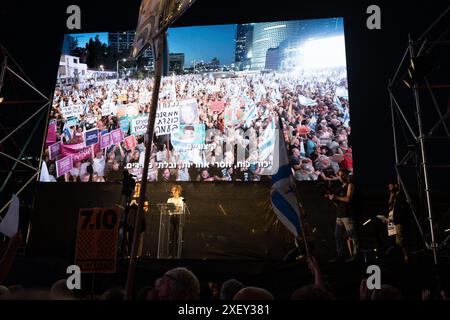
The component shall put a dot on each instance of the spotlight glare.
(407, 83)
(412, 64)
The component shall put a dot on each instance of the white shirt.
(179, 204)
(183, 174)
(75, 172)
(99, 166)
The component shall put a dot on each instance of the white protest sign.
(73, 110)
(167, 118)
(109, 108)
(139, 125)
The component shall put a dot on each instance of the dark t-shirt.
(401, 209)
(344, 208)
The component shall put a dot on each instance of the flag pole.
(157, 50)
(299, 208)
(300, 218)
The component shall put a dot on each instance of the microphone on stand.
(186, 207)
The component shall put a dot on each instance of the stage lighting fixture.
(419, 68)
(1, 99)
(409, 80)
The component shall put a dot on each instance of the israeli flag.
(67, 132)
(266, 146)
(173, 92)
(342, 92)
(282, 195)
(305, 101)
(302, 148)
(250, 112)
(313, 123)
(346, 119)
(338, 103)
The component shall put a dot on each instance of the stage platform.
(226, 221)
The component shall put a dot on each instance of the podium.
(170, 238)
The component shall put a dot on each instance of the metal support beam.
(438, 110)
(18, 161)
(26, 121)
(403, 115)
(2, 72)
(27, 83)
(21, 152)
(423, 165)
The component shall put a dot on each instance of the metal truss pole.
(399, 163)
(423, 164)
(21, 152)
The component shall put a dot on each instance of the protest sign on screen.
(51, 133)
(216, 106)
(116, 136)
(233, 111)
(186, 142)
(167, 118)
(124, 123)
(189, 112)
(139, 125)
(54, 150)
(105, 141)
(71, 110)
(64, 165)
(130, 142)
(91, 137)
(109, 108)
(79, 151)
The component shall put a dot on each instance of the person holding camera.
(343, 200)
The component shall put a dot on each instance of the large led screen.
(224, 89)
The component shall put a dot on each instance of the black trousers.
(174, 230)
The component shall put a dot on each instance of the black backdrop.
(226, 220)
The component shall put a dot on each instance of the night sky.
(83, 38)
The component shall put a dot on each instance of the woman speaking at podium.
(175, 221)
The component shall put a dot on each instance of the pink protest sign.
(105, 141)
(78, 151)
(51, 134)
(130, 142)
(64, 165)
(54, 150)
(117, 136)
(218, 106)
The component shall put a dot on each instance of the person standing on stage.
(345, 215)
(175, 220)
(398, 216)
